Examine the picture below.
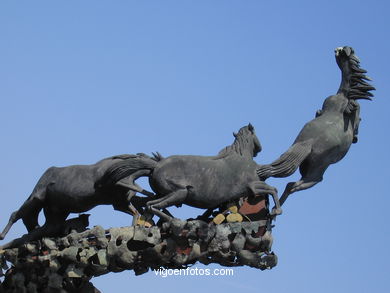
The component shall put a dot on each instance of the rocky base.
(68, 264)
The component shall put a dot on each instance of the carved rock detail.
(68, 264)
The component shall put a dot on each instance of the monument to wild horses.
(326, 139)
(212, 181)
(323, 141)
(203, 182)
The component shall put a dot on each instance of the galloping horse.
(61, 191)
(326, 139)
(199, 181)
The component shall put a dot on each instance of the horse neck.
(336, 103)
(340, 101)
(345, 84)
(237, 148)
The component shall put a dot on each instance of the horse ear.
(250, 127)
(234, 134)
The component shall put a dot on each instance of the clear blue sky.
(83, 80)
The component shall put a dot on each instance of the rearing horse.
(326, 139)
(199, 181)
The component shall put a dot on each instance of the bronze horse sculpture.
(326, 139)
(71, 189)
(199, 181)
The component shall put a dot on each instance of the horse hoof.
(276, 212)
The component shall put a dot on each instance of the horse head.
(353, 86)
(246, 139)
(354, 83)
(343, 56)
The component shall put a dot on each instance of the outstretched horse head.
(246, 139)
(343, 56)
(354, 83)
(353, 87)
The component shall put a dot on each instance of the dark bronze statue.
(199, 181)
(61, 191)
(326, 139)
(206, 182)
(239, 233)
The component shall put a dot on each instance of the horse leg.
(302, 184)
(28, 212)
(52, 227)
(259, 187)
(55, 219)
(128, 208)
(12, 219)
(135, 187)
(129, 182)
(174, 198)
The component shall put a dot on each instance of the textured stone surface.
(68, 264)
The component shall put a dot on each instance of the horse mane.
(237, 146)
(358, 87)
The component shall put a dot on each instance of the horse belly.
(334, 143)
(214, 195)
(73, 202)
(173, 173)
(219, 188)
(209, 182)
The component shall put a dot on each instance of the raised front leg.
(129, 182)
(260, 187)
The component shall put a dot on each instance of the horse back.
(208, 180)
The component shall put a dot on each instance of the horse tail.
(288, 162)
(125, 168)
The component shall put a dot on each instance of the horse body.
(199, 181)
(192, 173)
(326, 139)
(71, 189)
(330, 134)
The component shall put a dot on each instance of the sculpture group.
(200, 181)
